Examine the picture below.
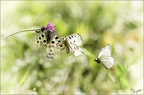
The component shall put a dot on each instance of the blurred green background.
(119, 23)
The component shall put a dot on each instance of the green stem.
(19, 32)
(88, 53)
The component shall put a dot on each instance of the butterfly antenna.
(36, 30)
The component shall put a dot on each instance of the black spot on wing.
(44, 41)
(61, 45)
(52, 42)
(56, 37)
(42, 35)
(59, 41)
(69, 37)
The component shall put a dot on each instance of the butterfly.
(48, 42)
(104, 57)
(72, 43)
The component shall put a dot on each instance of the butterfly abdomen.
(48, 36)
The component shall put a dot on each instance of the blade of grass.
(13, 85)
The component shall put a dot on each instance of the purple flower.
(51, 27)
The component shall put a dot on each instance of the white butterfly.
(73, 43)
(104, 57)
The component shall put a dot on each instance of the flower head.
(51, 27)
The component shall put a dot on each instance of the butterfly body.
(97, 60)
(104, 57)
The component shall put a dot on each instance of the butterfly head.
(50, 27)
(97, 60)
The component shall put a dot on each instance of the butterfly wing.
(74, 41)
(107, 62)
(106, 51)
(55, 46)
(47, 44)
(104, 57)
(40, 43)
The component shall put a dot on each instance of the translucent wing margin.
(106, 51)
(107, 62)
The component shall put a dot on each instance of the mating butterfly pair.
(49, 43)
